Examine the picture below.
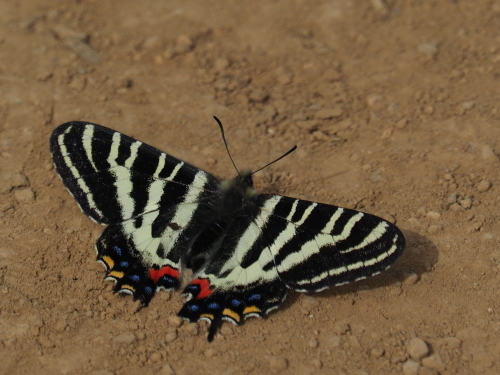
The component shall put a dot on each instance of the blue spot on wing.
(236, 302)
(148, 290)
(213, 306)
(193, 308)
(124, 264)
(254, 297)
(118, 250)
(135, 278)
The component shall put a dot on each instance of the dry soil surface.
(394, 107)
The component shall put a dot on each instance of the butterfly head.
(241, 184)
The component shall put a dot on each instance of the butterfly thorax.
(237, 193)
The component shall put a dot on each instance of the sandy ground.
(394, 107)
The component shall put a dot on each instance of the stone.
(125, 338)
(24, 195)
(166, 370)
(278, 364)
(433, 215)
(326, 114)
(483, 186)
(433, 362)
(451, 343)
(258, 95)
(417, 348)
(411, 367)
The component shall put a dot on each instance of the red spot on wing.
(205, 290)
(156, 275)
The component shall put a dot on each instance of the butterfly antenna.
(225, 144)
(281, 157)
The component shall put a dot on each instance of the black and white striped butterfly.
(245, 249)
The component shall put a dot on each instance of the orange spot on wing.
(109, 262)
(251, 309)
(205, 290)
(232, 314)
(116, 274)
(156, 275)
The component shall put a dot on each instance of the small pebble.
(427, 371)
(24, 195)
(452, 198)
(258, 95)
(401, 124)
(183, 44)
(310, 302)
(433, 362)
(429, 50)
(155, 357)
(468, 105)
(209, 353)
(18, 180)
(46, 342)
(434, 229)
(456, 207)
(411, 367)
(375, 102)
(174, 321)
(341, 328)
(334, 341)
(221, 64)
(170, 337)
(278, 364)
(308, 125)
(410, 277)
(381, 7)
(60, 325)
(317, 363)
(152, 42)
(166, 370)
(433, 215)
(125, 338)
(192, 329)
(325, 114)
(377, 352)
(417, 348)
(313, 343)
(466, 203)
(483, 186)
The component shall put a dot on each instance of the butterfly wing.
(319, 245)
(149, 199)
(288, 243)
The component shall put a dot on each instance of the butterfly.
(245, 250)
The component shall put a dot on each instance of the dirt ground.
(394, 107)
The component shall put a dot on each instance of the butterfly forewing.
(245, 249)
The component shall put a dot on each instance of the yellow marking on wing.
(231, 314)
(109, 262)
(251, 309)
(116, 274)
(129, 287)
(209, 316)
